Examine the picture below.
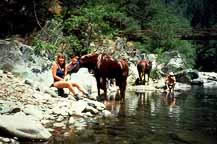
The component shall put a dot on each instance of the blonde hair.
(60, 55)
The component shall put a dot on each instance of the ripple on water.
(151, 118)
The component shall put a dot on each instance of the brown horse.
(105, 67)
(144, 67)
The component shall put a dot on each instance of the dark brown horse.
(105, 67)
(144, 67)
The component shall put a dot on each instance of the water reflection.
(155, 118)
(134, 101)
(113, 106)
(163, 118)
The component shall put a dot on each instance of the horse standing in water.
(105, 67)
(144, 67)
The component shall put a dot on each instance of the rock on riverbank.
(26, 113)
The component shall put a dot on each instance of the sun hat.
(171, 73)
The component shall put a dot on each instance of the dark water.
(153, 118)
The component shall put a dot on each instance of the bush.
(42, 47)
(155, 74)
(49, 38)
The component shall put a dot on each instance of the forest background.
(154, 26)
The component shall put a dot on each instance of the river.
(154, 118)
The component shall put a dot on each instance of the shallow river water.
(154, 118)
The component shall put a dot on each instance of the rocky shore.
(30, 114)
(31, 110)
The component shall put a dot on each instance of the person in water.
(59, 71)
(170, 82)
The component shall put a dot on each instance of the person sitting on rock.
(59, 71)
(73, 67)
(170, 82)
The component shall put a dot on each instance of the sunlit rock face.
(20, 59)
(10, 55)
(209, 79)
(175, 62)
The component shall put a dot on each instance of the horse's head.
(89, 60)
(74, 66)
(149, 64)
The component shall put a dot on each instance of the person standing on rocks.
(59, 71)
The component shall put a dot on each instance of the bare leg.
(71, 89)
(173, 88)
(167, 85)
(79, 88)
(64, 84)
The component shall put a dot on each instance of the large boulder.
(7, 107)
(23, 127)
(133, 74)
(87, 81)
(27, 52)
(209, 79)
(10, 55)
(186, 76)
(175, 62)
(20, 59)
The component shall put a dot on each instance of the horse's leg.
(122, 87)
(104, 88)
(148, 78)
(98, 85)
(140, 76)
(144, 78)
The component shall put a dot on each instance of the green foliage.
(75, 46)
(155, 74)
(187, 51)
(43, 47)
(93, 21)
(98, 16)
(49, 38)
(165, 25)
(89, 21)
(201, 13)
(144, 48)
(161, 57)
